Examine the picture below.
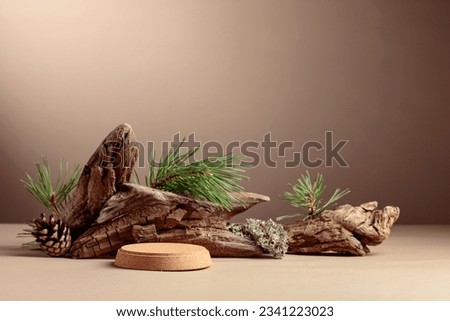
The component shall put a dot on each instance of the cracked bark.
(347, 229)
(106, 212)
(108, 168)
(143, 214)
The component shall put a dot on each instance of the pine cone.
(52, 234)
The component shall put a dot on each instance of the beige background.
(375, 72)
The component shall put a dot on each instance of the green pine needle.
(306, 194)
(135, 178)
(214, 179)
(42, 188)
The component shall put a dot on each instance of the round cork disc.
(163, 257)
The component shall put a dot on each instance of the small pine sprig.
(306, 194)
(49, 195)
(213, 179)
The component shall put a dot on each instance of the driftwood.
(143, 214)
(346, 229)
(106, 212)
(109, 167)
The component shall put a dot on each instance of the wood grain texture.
(107, 169)
(107, 212)
(143, 214)
(347, 229)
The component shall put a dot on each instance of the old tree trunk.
(106, 212)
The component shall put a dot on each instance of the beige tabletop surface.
(413, 264)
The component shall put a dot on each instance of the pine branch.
(135, 178)
(213, 179)
(49, 195)
(306, 194)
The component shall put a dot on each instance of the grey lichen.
(270, 236)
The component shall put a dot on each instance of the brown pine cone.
(52, 234)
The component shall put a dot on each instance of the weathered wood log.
(346, 229)
(106, 212)
(143, 214)
(109, 167)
